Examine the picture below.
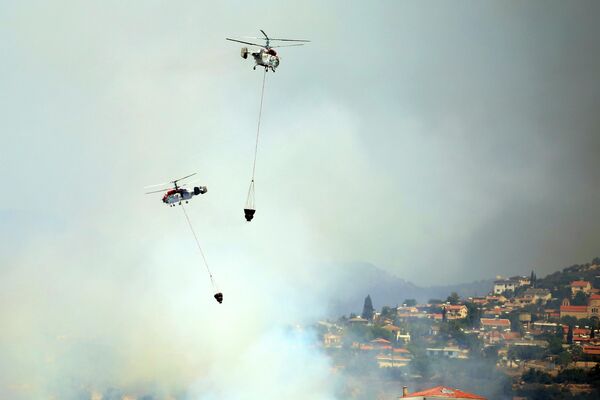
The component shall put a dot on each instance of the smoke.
(366, 155)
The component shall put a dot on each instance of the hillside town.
(528, 338)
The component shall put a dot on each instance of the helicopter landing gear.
(254, 68)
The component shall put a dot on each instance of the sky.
(441, 142)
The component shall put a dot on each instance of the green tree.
(368, 309)
(580, 299)
(570, 335)
(569, 320)
(453, 299)
(388, 312)
(473, 314)
(515, 323)
(564, 358)
(410, 302)
(576, 352)
(555, 345)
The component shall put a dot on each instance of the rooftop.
(495, 322)
(579, 283)
(582, 309)
(445, 392)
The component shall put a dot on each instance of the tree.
(576, 352)
(532, 279)
(570, 335)
(580, 299)
(453, 299)
(515, 323)
(564, 358)
(368, 309)
(410, 302)
(473, 314)
(388, 312)
(435, 301)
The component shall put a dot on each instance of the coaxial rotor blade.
(241, 41)
(159, 184)
(288, 45)
(291, 40)
(158, 191)
(177, 180)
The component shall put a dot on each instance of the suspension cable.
(262, 94)
(212, 281)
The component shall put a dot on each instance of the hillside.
(359, 279)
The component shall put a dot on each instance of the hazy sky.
(444, 142)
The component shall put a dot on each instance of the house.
(533, 295)
(500, 286)
(581, 286)
(546, 327)
(456, 311)
(512, 283)
(395, 359)
(380, 344)
(580, 335)
(592, 352)
(439, 392)
(397, 333)
(498, 324)
(332, 340)
(448, 352)
(409, 312)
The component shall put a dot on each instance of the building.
(456, 312)
(512, 283)
(581, 286)
(503, 285)
(439, 392)
(498, 324)
(394, 359)
(592, 310)
(533, 295)
(332, 340)
(448, 352)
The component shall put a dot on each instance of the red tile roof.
(445, 392)
(581, 309)
(456, 307)
(380, 340)
(579, 283)
(595, 297)
(392, 328)
(592, 350)
(495, 322)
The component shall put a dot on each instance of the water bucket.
(249, 214)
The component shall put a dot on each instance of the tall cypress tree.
(368, 310)
(570, 335)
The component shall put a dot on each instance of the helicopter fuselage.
(178, 195)
(265, 57)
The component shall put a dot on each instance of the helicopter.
(177, 193)
(266, 57)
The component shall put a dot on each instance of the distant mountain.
(355, 281)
